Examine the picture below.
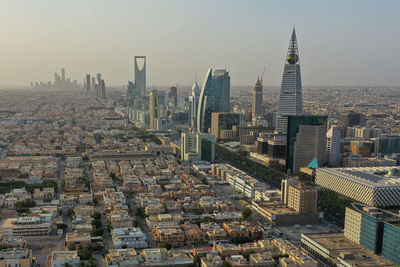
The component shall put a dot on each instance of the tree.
(226, 264)
(96, 215)
(246, 213)
(92, 262)
(167, 246)
(27, 203)
(98, 232)
(140, 212)
(95, 201)
(96, 223)
(61, 226)
(70, 213)
(71, 247)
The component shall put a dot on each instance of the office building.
(173, 96)
(290, 98)
(154, 109)
(87, 82)
(98, 76)
(306, 140)
(374, 186)
(102, 90)
(93, 83)
(193, 104)
(197, 146)
(257, 108)
(333, 146)
(350, 119)
(214, 97)
(299, 197)
(140, 75)
(26, 227)
(63, 75)
(222, 125)
(375, 229)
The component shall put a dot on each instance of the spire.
(293, 52)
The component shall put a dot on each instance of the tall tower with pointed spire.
(257, 99)
(194, 102)
(291, 97)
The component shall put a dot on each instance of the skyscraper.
(63, 75)
(98, 78)
(154, 108)
(93, 83)
(333, 146)
(140, 76)
(214, 97)
(257, 98)
(290, 99)
(306, 140)
(102, 90)
(194, 103)
(87, 82)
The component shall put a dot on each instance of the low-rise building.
(122, 257)
(128, 237)
(63, 258)
(21, 257)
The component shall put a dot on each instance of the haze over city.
(341, 42)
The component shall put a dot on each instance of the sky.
(341, 42)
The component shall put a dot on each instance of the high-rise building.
(214, 97)
(298, 196)
(140, 75)
(154, 109)
(87, 82)
(197, 146)
(350, 119)
(63, 75)
(257, 99)
(290, 98)
(102, 90)
(193, 104)
(306, 140)
(333, 146)
(93, 83)
(98, 75)
(375, 229)
(222, 125)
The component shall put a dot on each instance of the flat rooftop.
(337, 243)
(368, 176)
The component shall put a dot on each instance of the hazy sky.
(341, 42)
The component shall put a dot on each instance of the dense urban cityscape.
(207, 175)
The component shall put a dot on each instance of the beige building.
(302, 199)
(122, 257)
(25, 227)
(20, 257)
(310, 144)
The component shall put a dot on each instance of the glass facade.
(293, 125)
(369, 232)
(391, 243)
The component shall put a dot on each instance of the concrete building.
(333, 146)
(222, 125)
(20, 257)
(299, 197)
(122, 257)
(63, 258)
(306, 140)
(373, 186)
(128, 237)
(257, 101)
(197, 146)
(154, 109)
(28, 227)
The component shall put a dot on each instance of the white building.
(129, 237)
(333, 146)
(373, 186)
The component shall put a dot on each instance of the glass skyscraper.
(290, 99)
(214, 97)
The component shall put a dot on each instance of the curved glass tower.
(214, 97)
(290, 99)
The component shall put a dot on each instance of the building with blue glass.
(214, 97)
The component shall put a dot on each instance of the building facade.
(290, 98)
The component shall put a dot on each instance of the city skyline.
(171, 43)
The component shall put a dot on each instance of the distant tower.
(63, 75)
(194, 103)
(290, 99)
(93, 83)
(98, 78)
(214, 97)
(140, 75)
(257, 98)
(154, 109)
(102, 90)
(333, 137)
(88, 82)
